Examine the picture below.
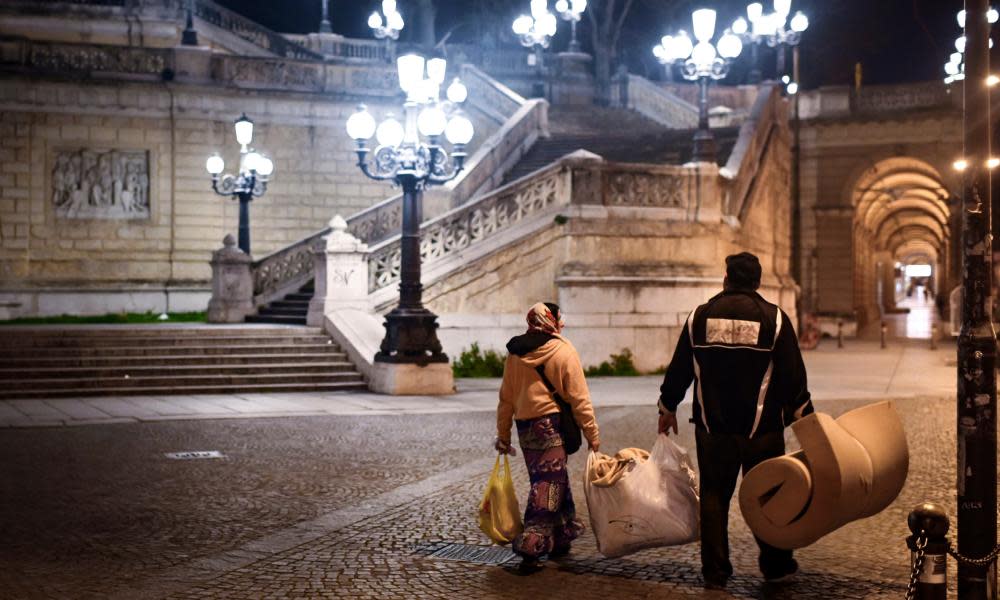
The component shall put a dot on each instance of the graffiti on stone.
(94, 184)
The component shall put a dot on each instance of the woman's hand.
(504, 447)
(594, 446)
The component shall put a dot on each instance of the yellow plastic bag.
(499, 515)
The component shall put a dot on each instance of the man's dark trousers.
(720, 457)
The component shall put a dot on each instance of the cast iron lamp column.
(955, 67)
(413, 164)
(572, 11)
(535, 31)
(775, 29)
(701, 62)
(250, 182)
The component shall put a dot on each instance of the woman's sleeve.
(505, 408)
(571, 384)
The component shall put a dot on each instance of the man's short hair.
(743, 271)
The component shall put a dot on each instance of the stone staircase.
(290, 310)
(618, 135)
(50, 362)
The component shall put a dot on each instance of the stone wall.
(80, 258)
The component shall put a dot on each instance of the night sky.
(895, 40)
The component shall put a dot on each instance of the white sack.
(653, 505)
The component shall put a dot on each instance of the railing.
(459, 228)
(751, 149)
(251, 31)
(489, 95)
(281, 272)
(493, 60)
(648, 99)
(337, 48)
(89, 59)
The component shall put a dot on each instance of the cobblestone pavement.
(353, 506)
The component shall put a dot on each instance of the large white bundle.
(654, 504)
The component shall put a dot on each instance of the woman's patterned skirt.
(550, 521)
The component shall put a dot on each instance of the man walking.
(741, 353)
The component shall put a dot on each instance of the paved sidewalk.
(861, 370)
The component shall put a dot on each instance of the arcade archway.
(902, 243)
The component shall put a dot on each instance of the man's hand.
(667, 420)
(594, 446)
(504, 447)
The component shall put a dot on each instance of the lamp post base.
(704, 146)
(400, 379)
(411, 338)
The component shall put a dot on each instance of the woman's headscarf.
(545, 317)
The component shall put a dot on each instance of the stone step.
(219, 360)
(161, 341)
(16, 333)
(299, 297)
(157, 370)
(214, 350)
(179, 381)
(302, 305)
(344, 386)
(273, 311)
(284, 319)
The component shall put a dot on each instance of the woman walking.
(550, 522)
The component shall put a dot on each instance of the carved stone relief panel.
(101, 184)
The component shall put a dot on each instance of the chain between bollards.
(928, 553)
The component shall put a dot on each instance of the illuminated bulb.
(992, 80)
(960, 164)
(215, 165)
(993, 163)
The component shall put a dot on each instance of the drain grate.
(482, 555)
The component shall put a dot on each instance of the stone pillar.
(232, 284)
(341, 268)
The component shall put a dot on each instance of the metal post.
(977, 388)
(411, 329)
(934, 334)
(883, 329)
(795, 191)
(929, 547)
(840, 334)
(189, 37)
(779, 64)
(324, 24)
(539, 86)
(704, 141)
(574, 45)
(754, 76)
(244, 229)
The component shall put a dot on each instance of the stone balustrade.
(652, 101)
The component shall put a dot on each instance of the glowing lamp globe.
(395, 21)
(682, 46)
(215, 165)
(436, 69)
(522, 25)
(388, 6)
(265, 166)
(703, 55)
(251, 162)
(389, 132)
(992, 15)
(432, 121)
(704, 24)
(800, 22)
(459, 130)
(740, 26)
(374, 20)
(410, 68)
(562, 6)
(730, 46)
(457, 92)
(361, 125)
(783, 7)
(244, 130)
(754, 12)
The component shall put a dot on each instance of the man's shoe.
(559, 551)
(528, 566)
(784, 574)
(715, 583)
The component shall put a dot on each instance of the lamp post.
(189, 37)
(775, 29)
(535, 31)
(702, 62)
(388, 24)
(324, 23)
(572, 11)
(955, 67)
(250, 182)
(413, 163)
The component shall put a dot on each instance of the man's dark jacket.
(742, 354)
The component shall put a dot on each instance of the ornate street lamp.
(701, 62)
(775, 29)
(413, 163)
(388, 24)
(324, 23)
(251, 182)
(189, 37)
(955, 67)
(535, 31)
(572, 11)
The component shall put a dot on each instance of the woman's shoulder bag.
(568, 429)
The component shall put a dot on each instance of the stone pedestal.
(193, 64)
(406, 379)
(341, 270)
(232, 284)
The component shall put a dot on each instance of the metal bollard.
(885, 328)
(928, 552)
(934, 333)
(840, 334)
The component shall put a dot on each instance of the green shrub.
(475, 363)
(621, 365)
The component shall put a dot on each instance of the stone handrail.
(640, 185)
(652, 101)
(749, 153)
(482, 219)
(493, 60)
(337, 48)
(489, 95)
(251, 31)
(90, 59)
